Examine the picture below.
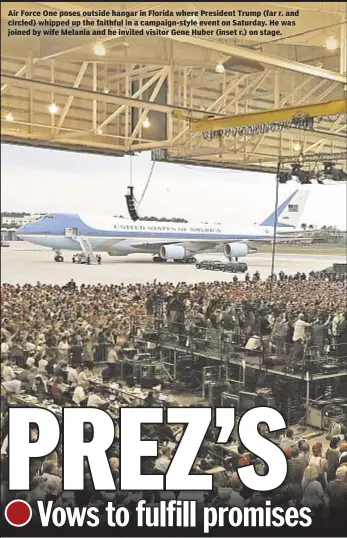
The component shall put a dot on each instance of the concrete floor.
(24, 263)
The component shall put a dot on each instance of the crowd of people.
(81, 320)
(56, 333)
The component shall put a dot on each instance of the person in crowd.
(230, 495)
(7, 373)
(243, 457)
(113, 360)
(84, 376)
(79, 395)
(305, 451)
(332, 456)
(42, 365)
(162, 463)
(40, 388)
(288, 441)
(95, 399)
(299, 336)
(5, 348)
(63, 348)
(313, 492)
(337, 493)
(150, 400)
(71, 376)
(341, 337)
(51, 482)
(57, 390)
(343, 453)
(296, 467)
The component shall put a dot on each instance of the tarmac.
(24, 262)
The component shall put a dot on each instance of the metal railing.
(221, 342)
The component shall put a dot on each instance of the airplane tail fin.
(289, 212)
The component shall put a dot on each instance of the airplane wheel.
(192, 260)
(58, 258)
(179, 261)
(157, 259)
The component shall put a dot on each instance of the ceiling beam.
(145, 111)
(89, 95)
(257, 56)
(136, 95)
(71, 97)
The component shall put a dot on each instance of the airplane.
(179, 242)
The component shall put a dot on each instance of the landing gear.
(158, 259)
(58, 258)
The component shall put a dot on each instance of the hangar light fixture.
(53, 108)
(99, 131)
(146, 123)
(331, 43)
(297, 146)
(9, 117)
(99, 49)
(220, 69)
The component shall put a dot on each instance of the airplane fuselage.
(122, 236)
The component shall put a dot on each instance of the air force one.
(179, 242)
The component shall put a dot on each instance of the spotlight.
(99, 49)
(328, 168)
(339, 175)
(283, 177)
(9, 117)
(220, 69)
(304, 177)
(106, 90)
(53, 108)
(130, 200)
(331, 43)
(297, 146)
(99, 131)
(146, 123)
(296, 169)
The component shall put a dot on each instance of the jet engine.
(235, 250)
(172, 252)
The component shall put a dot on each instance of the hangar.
(187, 98)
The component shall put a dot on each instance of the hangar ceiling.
(104, 101)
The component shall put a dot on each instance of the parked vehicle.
(204, 264)
(217, 266)
(235, 267)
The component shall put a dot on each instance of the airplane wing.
(217, 246)
(299, 237)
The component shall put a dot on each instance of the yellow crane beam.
(269, 116)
